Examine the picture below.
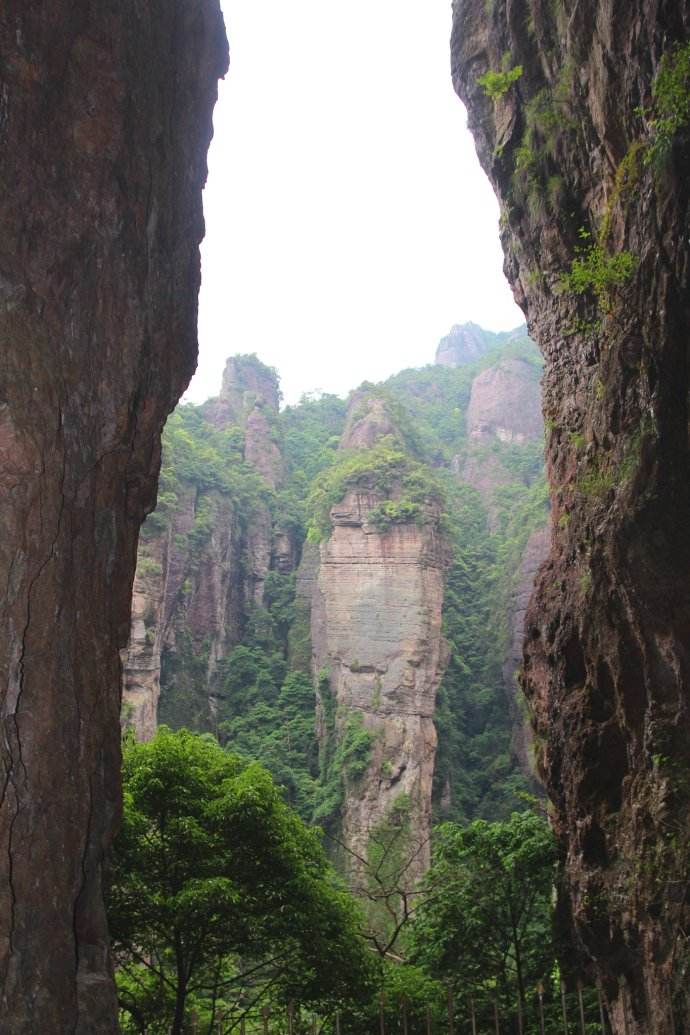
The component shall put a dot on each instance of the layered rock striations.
(376, 608)
(104, 157)
(587, 146)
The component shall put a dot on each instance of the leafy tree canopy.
(485, 922)
(220, 891)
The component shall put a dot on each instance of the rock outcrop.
(376, 631)
(105, 119)
(587, 148)
(505, 403)
(505, 408)
(535, 553)
(465, 343)
(202, 571)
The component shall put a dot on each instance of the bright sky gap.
(348, 223)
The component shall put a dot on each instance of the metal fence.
(578, 1010)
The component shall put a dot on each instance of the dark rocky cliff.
(105, 119)
(581, 126)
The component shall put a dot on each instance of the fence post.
(265, 1014)
(428, 1020)
(540, 993)
(337, 1022)
(564, 1009)
(497, 1025)
(404, 1003)
(243, 1025)
(451, 1011)
(291, 1016)
(473, 1017)
(583, 1026)
(600, 999)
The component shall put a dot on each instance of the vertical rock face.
(505, 403)
(104, 126)
(249, 399)
(198, 575)
(535, 553)
(571, 151)
(465, 343)
(504, 407)
(376, 631)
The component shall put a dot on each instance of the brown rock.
(607, 664)
(376, 629)
(103, 160)
(505, 403)
(535, 553)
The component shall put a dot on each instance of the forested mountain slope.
(338, 588)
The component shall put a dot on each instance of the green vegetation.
(474, 756)
(345, 756)
(485, 922)
(220, 895)
(593, 269)
(496, 84)
(386, 470)
(258, 699)
(671, 102)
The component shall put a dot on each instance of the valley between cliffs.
(290, 594)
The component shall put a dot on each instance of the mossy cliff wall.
(582, 128)
(105, 120)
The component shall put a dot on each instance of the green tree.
(485, 923)
(219, 891)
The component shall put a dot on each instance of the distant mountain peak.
(465, 343)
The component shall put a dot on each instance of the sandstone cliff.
(586, 143)
(105, 122)
(376, 606)
(203, 566)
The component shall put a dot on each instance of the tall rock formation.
(465, 343)
(105, 119)
(203, 565)
(376, 638)
(582, 127)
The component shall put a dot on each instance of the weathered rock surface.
(505, 403)
(192, 596)
(607, 664)
(105, 119)
(535, 553)
(465, 343)
(505, 407)
(188, 604)
(249, 400)
(376, 629)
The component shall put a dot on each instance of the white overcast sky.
(348, 223)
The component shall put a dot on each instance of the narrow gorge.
(290, 588)
(454, 591)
